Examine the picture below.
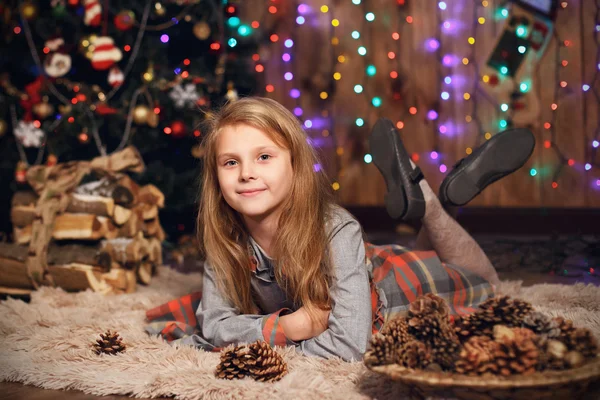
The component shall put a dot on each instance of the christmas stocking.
(93, 12)
(508, 72)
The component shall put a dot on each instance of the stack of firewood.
(108, 238)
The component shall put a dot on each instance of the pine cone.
(266, 365)
(257, 360)
(109, 343)
(494, 311)
(541, 324)
(445, 350)
(551, 354)
(582, 340)
(235, 362)
(565, 325)
(382, 350)
(507, 311)
(477, 356)
(428, 304)
(518, 352)
(479, 323)
(397, 328)
(414, 354)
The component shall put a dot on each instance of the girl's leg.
(440, 232)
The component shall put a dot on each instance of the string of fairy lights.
(473, 94)
(442, 121)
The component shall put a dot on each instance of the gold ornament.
(65, 109)
(3, 127)
(149, 74)
(29, 10)
(141, 114)
(202, 30)
(43, 109)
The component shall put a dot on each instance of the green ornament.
(59, 10)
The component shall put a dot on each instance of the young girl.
(285, 265)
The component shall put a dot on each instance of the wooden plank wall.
(342, 145)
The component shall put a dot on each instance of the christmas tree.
(83, 78)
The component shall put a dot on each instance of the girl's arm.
(221, 324)
(350, 321)
(298, 325)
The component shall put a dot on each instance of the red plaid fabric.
(399, 277)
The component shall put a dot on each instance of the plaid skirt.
(399, 276)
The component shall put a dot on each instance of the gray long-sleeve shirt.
(350, 320)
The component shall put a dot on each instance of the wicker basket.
(569, 384)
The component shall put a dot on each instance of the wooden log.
(59, 254)
(22, 235)
(76, 277)
(117, 277)
(91, 204)
(13, 274)
(131, 281)
(14, 291)
(151, 227)
(72, 226)
(150, 194)
(128, 185)
(131, 227)
(155, 251)
(121, 215)
(22, 215)
(24, 198)
(108, 187)
(148, 211)
(128, 252)
(144, 272)
(79, 226)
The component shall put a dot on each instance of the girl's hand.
(298, 325)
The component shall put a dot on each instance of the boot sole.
(500, 158)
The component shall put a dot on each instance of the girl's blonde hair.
(303, 267)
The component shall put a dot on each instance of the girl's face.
(255, 174)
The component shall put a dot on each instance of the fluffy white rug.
(46, 343)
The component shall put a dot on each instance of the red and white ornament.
(55, 43)
(105, 53)
(115, 76)
(93, 12)
(57, 64)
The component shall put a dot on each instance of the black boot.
(404, 198)
(503, 154)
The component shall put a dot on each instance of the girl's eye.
(229, 163)
(265, 157)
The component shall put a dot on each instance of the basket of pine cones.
(503, 350)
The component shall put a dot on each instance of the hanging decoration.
(29, 134)
(105, 53)
(57, 62)
(201, 30)
(507, 75)
(115, 76)
(184, 96)
(93, 12)
(124, 20)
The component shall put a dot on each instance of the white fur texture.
(47, 342)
